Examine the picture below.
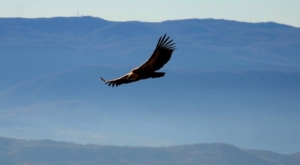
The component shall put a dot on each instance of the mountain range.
(15, 151)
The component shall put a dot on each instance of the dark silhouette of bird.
(158, 59)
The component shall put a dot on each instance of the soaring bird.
(158, 59)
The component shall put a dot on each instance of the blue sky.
(281, 11)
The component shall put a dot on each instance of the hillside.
(14, 152)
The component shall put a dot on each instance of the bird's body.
(139, 74)
(160, 56)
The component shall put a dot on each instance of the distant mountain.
(206, 44)
(228, 81)
(206, 40)
(15, 152)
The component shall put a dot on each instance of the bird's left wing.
(118, 81)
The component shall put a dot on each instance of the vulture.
(158, 59)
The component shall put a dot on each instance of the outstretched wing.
(161, 54)
(118, 81)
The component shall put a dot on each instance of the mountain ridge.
(53, 152)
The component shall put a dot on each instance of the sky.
(280, 11)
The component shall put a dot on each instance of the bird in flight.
(158, 59)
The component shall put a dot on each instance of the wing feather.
(161, 54)
(118, 81)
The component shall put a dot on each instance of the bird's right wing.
(118, 81)
(161, 54)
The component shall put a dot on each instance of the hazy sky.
(281, 11)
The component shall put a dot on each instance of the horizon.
(86, 16)
(183, 19)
